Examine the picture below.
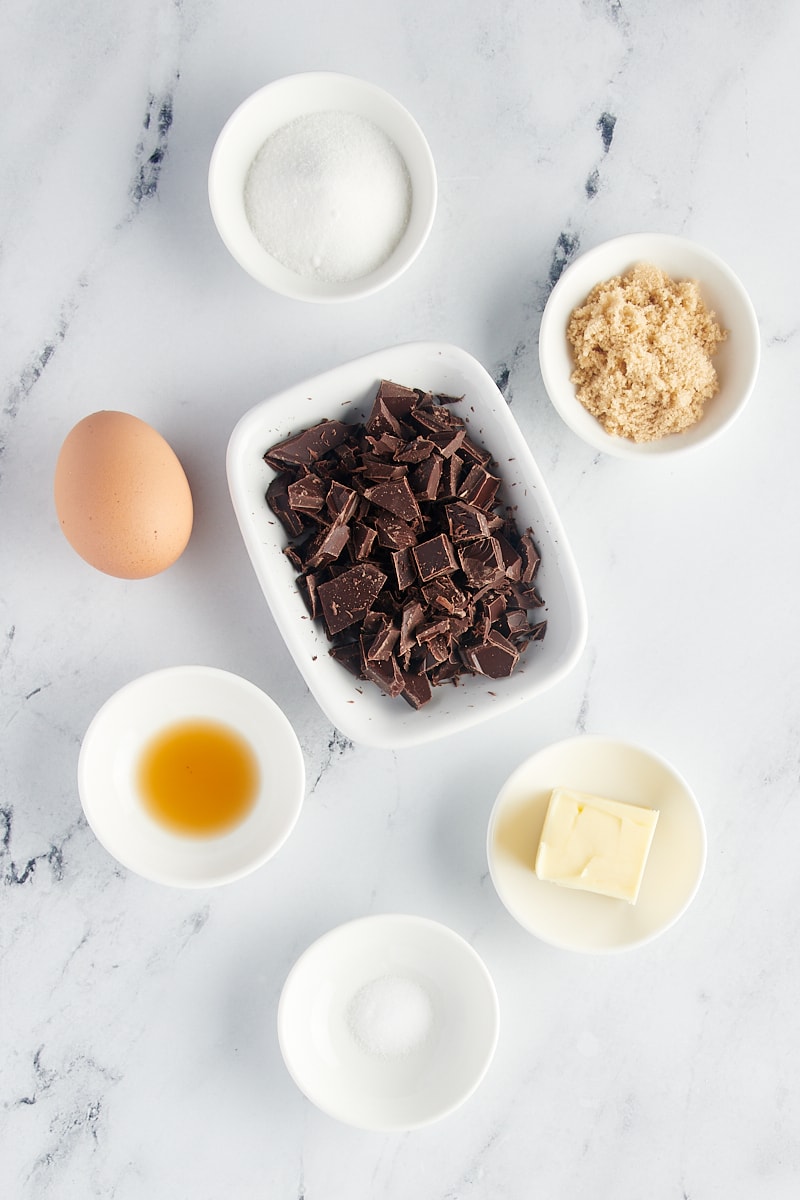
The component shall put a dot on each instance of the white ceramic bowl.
(344, 1076)
(736, 360)
(113, 745)
(357, 708)
(576, 920)
(274, 106)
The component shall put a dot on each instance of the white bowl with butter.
(568, 914)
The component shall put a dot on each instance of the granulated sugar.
(390, 1016)
(329, 196)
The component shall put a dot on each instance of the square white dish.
(356, 707)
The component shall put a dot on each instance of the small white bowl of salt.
(322, 187)
(388, 1023)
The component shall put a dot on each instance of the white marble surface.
(139, 1052)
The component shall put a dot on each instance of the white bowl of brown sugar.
(649, 345)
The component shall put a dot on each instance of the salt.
(329, 196)
(390, 1016)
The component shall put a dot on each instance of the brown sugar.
(642, 346)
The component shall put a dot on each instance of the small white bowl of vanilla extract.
(191, 776)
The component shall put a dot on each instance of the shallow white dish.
(113, 745)
(276, 105)
(358, 708)
(736, 360)
(575, 920)
(394, 1093)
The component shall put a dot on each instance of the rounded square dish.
(736, 361)
(581, 920)
(426, 1003)
(356, 707)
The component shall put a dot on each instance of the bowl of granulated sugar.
(322, 187)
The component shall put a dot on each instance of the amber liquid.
(198, 778)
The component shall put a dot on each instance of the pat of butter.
(595, 844)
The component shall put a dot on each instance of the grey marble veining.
(139, 1052)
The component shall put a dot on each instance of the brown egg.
(122, 497)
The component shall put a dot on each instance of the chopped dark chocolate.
(434, 557)
(403, 568)
(425, 480)
(496, 657)
(416, 688)
(307, 494)
(412, 616)
(362, 541)
(479, 487)
(466, 522)
(385, 674)
(393, 533)
(396, 497)
(530, 557)
(482, 562)
(326, 546)
(341, 502)
(305, 448)
(349, 597)
(437, 580)
(278, 500)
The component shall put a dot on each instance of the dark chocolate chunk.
(443, 595)
(466, 521)
(341, 502)
(326, 546)
(414, 452)
(496, 657)
(349, 597)
(425, 480)
(307, 494)
(396, 497)
(397, 398)
(278, 500)
(476, 453)
(512, 563)
(449, 441)
(382, 419)
(451, 474)
(479, 487)
(305, 448)
(393, 533)
(385, 674)
(379, 648)
(403, 568)
(349, 655)
(416, 689)
(363, 540)
(434, 557)
(482, 562)
(412, 617)
(530, 557)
